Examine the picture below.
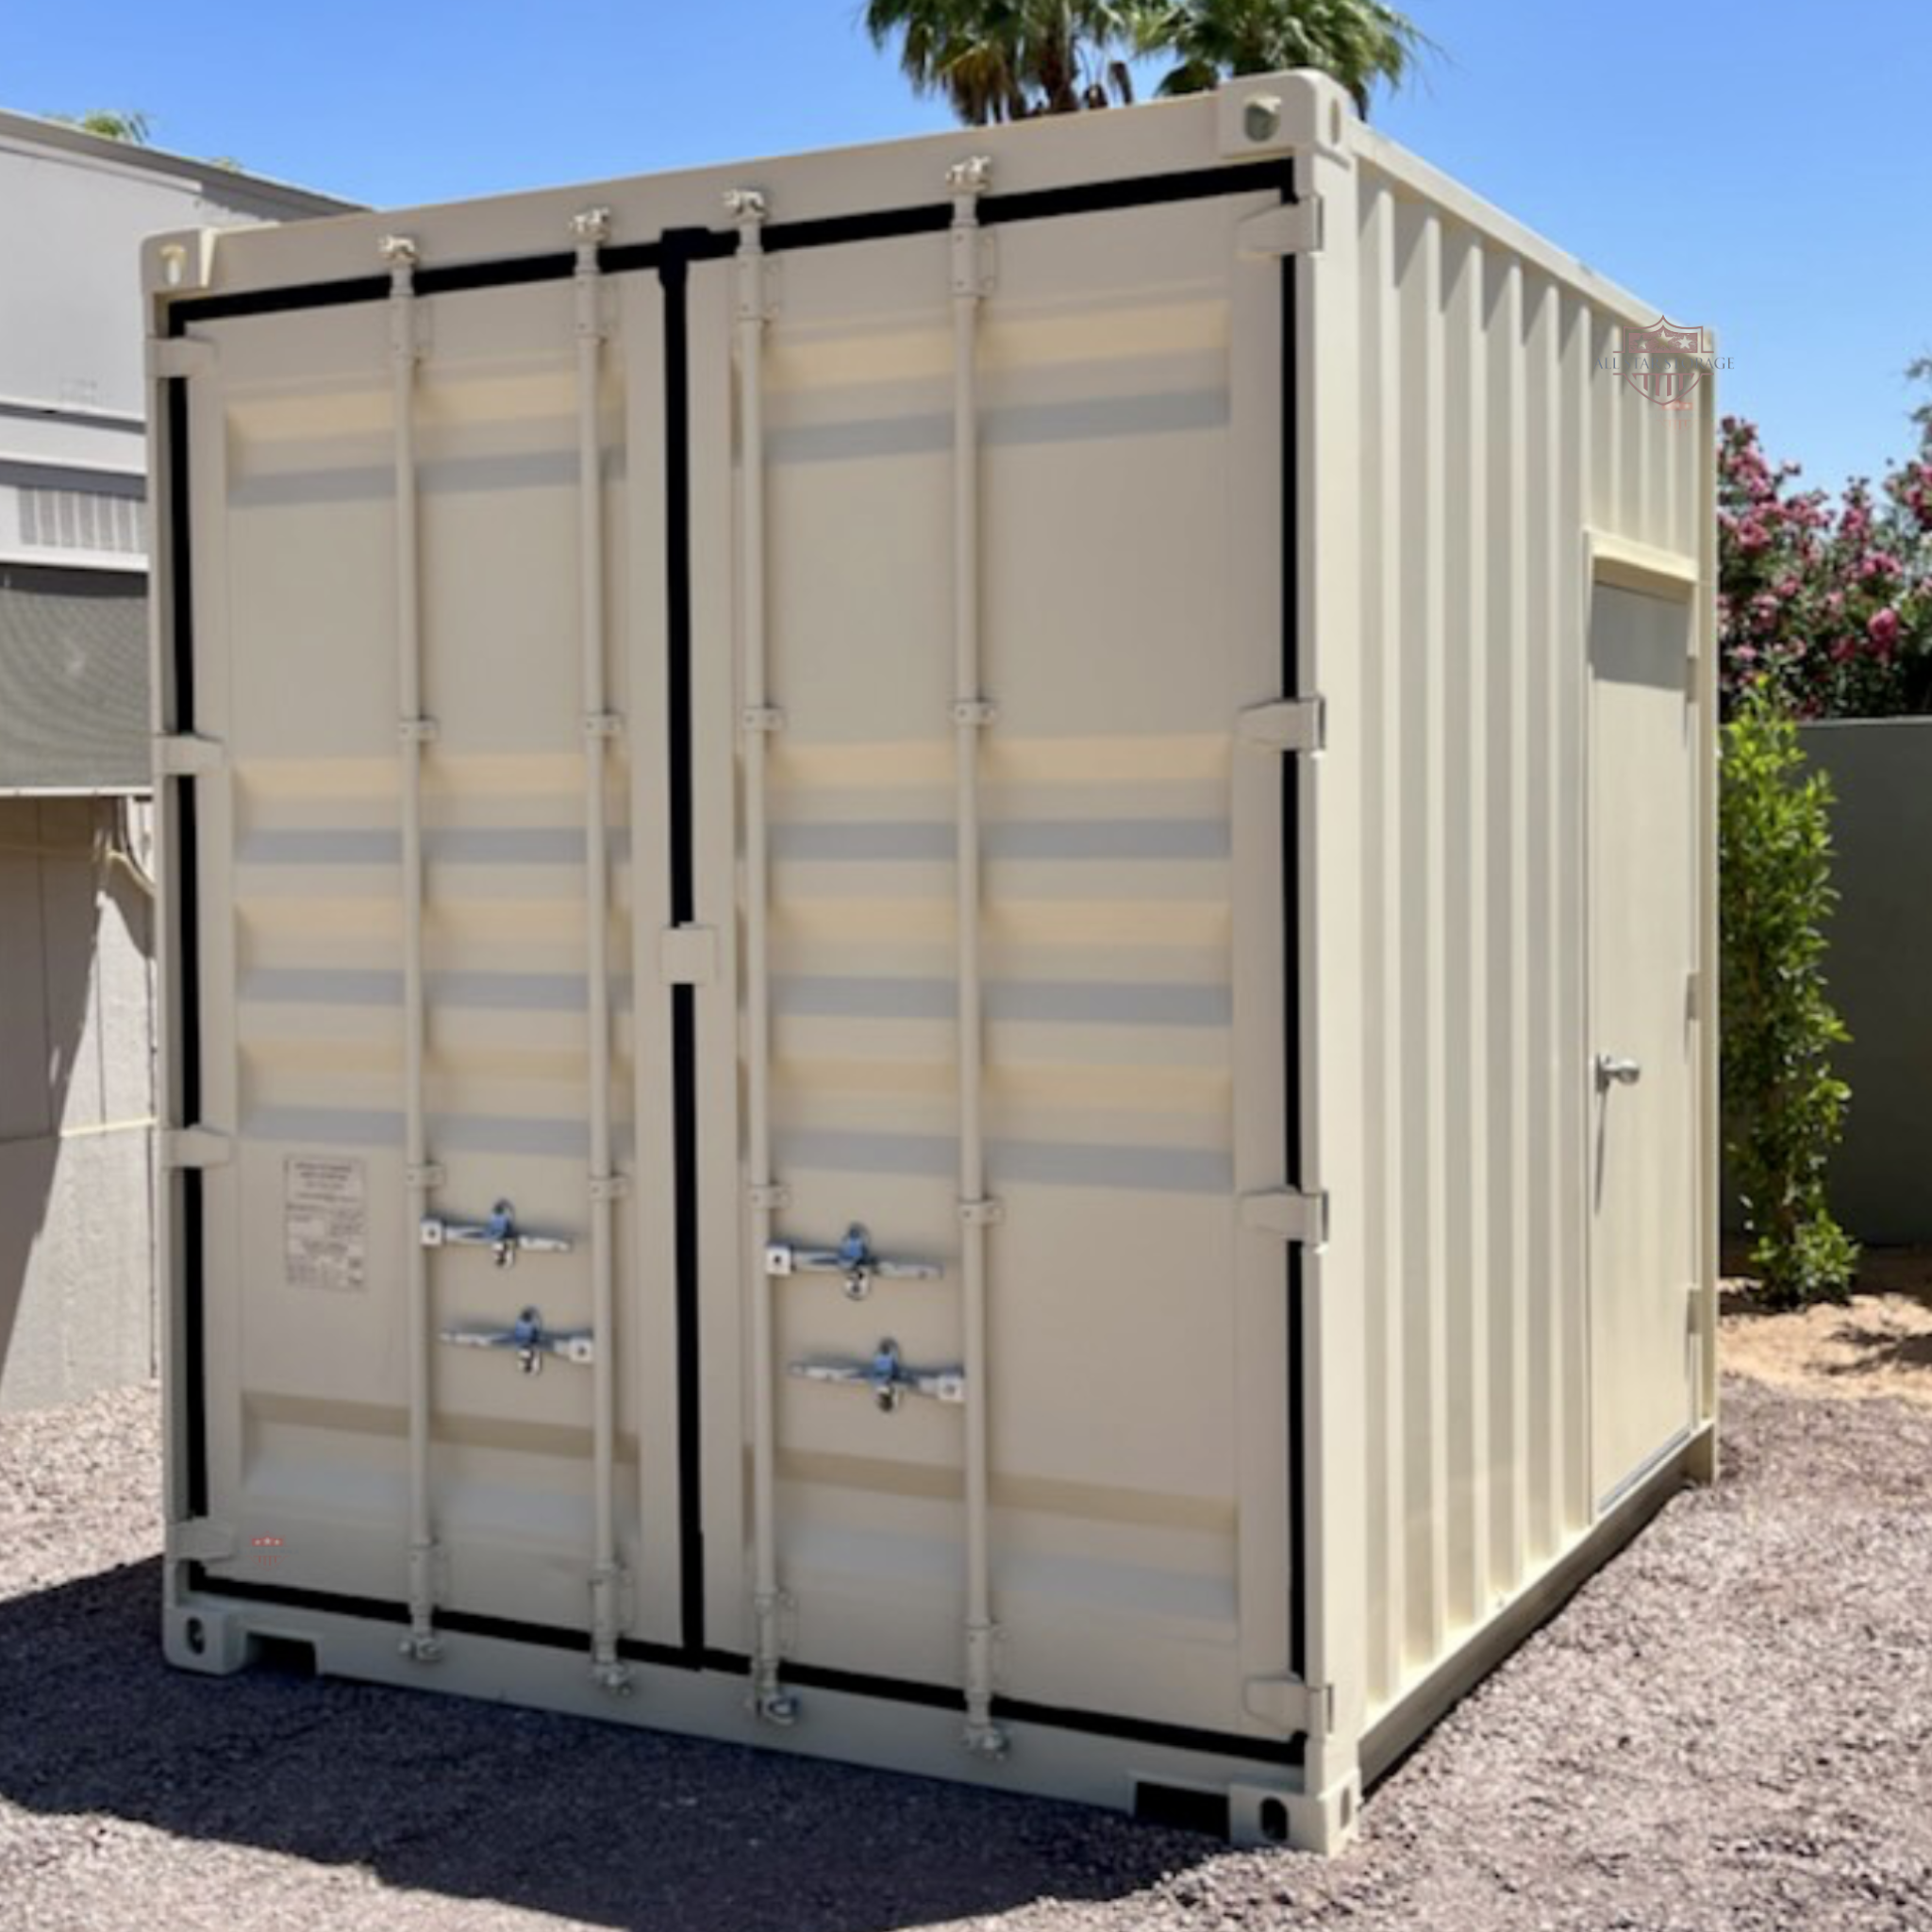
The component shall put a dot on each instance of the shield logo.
(1663, 362)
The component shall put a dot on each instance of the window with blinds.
(82, 520)
(72, 679)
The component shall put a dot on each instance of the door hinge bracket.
(1289, 724)
(1289, 1213)
(974, 270)
(171, 357)
(1305, 1709)
(1293, 228)
(195, 1147)
(201, 1540)
(184, 755)
(687, 955)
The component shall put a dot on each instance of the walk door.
(1642, 916)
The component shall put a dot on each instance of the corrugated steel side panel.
(1490, 438)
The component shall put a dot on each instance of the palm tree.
(1010, 59)
(1359, 41)
(130, 126)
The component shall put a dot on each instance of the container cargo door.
(312, 517)
(1643, 895)
(1119, 545)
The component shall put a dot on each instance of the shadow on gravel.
(1882, 1348)
(442, 1794)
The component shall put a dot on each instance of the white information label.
(326, 1223)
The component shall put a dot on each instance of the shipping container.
(938, 948)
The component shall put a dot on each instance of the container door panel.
(1128, 370)
(300, 947)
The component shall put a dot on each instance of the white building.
(75, 1002)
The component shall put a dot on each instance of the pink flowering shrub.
(1829, 608)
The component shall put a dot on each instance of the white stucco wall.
(73, 210)
(76, 1293)
(76, 1104)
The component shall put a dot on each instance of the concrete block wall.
(76, 1104)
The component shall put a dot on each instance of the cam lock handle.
(853, 1258)
(532, 1341)
(887, 1377)
(500, 1234)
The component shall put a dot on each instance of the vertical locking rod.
(592, 229)
(414, 731)
(746, 206)
(972, 714)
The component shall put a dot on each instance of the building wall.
(76, 1278)
(73, 209)
(76, 1104)
(1881, 934)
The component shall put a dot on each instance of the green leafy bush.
(1784, 1109)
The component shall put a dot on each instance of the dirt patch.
(1879, 1344)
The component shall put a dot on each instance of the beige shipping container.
(938, 953)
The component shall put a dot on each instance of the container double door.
(1128, 365)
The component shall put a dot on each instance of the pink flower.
(1753, 537)
(1882, 628)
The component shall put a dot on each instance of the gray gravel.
(1732, 1727)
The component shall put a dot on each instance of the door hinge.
(687, 955)
(1308, 1709)
(201, 1540)
(184, 755)
(178, 356)
(1293, 228)
(197, 1147)
(974, 271)
(1289, 1212)
(1289, 724)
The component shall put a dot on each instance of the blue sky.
(1756, 165)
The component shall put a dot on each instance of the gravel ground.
(1730, 1727)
